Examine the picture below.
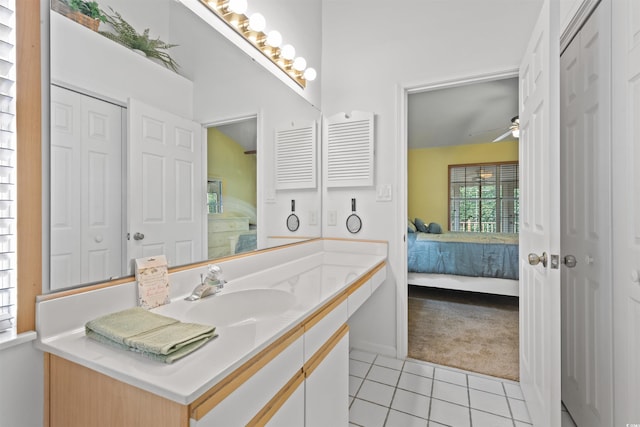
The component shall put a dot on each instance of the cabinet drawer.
(239, 407)
(316, 335)
(327, 389)
(378, 278)
(358, 297)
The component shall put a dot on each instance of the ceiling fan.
(514, 130)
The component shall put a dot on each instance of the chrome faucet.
(209, 285)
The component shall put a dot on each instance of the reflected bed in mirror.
(131, 152)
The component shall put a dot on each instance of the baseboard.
(487, 285)
(385, 350)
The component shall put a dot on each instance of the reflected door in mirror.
(166, 186)
(86, 189)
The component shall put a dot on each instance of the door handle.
(570, 261)
(535, 259)
(138, 236)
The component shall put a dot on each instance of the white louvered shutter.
(296, 156)
(348, 149)
(7, 165)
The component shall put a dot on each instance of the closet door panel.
(626, 207)
(586, 223)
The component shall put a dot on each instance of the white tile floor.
(405, 393)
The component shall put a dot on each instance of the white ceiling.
(473, 113)
(468, 114)
(244, 132)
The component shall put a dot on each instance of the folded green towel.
(155, 336)
(127, 323)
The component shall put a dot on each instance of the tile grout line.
(363, 379)
(433, 382)
(402, 370)
(466, 377)
(513, 420)
(395, 389)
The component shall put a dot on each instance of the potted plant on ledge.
(123, 33)
(84, 12)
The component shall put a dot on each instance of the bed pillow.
(411, 226)
(421, 226)
(434, 228)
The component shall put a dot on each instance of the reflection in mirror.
(131, 149)
(231, 170)
(214, 196)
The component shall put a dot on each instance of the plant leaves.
(126, 35)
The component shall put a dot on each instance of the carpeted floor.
(471, 331)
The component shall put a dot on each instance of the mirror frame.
(29, 160)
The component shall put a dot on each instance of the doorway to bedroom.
(463, 209)
(232, 189)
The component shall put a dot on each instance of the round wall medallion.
(354, 223)
(293, 222)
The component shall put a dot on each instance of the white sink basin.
(240, 307)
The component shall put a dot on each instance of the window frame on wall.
(490, 204)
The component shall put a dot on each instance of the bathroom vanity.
(281, 357)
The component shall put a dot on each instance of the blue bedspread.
(484, 257)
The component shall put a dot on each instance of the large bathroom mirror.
(144, 159)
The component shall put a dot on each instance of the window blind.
(348, 149)
(296, 148)
(7, 165)
(484, 198)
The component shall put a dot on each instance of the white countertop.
(312, 280)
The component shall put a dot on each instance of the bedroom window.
(484, 198)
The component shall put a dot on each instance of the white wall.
(85, 60)
(22, 389)
(369, 50)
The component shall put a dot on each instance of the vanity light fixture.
(299, 64)
(274, 38)
(237, 6)
(252, 28)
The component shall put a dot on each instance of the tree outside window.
(484, 198)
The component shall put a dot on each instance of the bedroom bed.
(478, 262)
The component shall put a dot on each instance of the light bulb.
(310, 74)
(516, 133)
(288, 52)
(274, 38)
(257, 22)
(299, 64)
(238, 6)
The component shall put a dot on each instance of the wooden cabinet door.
(327, 389)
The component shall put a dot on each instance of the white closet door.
(626, 209)
(587, 345)
(540, 220)
(86, 189)
(167, 190)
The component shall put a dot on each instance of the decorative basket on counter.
(79, 17)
